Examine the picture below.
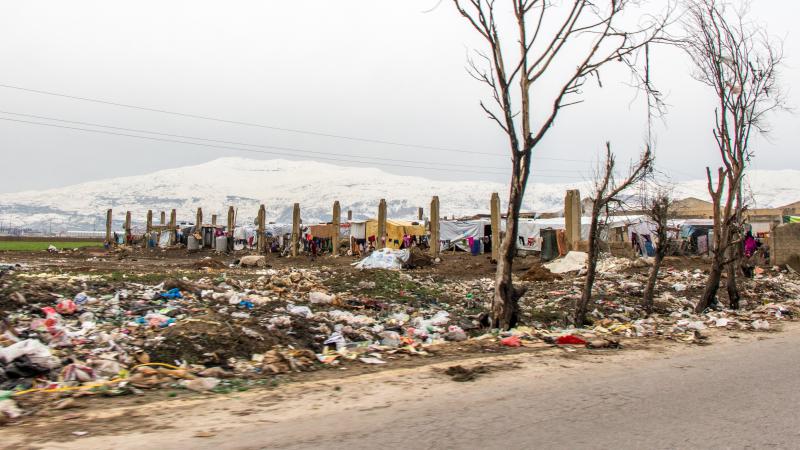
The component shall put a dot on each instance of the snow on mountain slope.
(278, 184)
(248, 183)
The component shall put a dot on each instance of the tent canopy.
(395, 230)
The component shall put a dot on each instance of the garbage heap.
(86, 334)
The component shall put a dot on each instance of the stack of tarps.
(385, 258)
(395, 230)
(463, 234)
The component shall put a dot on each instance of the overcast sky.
(375, 69)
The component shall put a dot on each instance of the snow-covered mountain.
(278, 184)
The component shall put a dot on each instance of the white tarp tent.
(529, 236)
(358, 229)
(459, 232)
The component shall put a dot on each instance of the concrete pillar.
(420, 214)
(495, 209)
(381, 224)
(337, 220)
(127, 225)
(434, 239)
(149, 226)
(295, 228)
(349, 215)
(262, 228)
(231, 220)
(173, 223)
(163, 218)
(214, 219)
(199, 219)
(108, 228)
(572, 218)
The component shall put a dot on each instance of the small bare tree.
(739, 61)
(569, 42)
(607, 192)
(657, 208)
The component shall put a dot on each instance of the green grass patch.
(389, 285)
(33, 246)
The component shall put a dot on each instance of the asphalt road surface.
(736, 393)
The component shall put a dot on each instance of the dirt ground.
(200, 416)
(457, 265)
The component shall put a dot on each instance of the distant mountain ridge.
(278, 184)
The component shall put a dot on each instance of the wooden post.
(349, 215)
(163, 218)
(108, 228)
(149, 226)
(337, 220)
(295, 228)
(214, 219)
(495, 208)
(198, 223)
(434, 239)
(262, 229)
(381, 225)
(420, 214)
(127, 227)
(173, 223)
(572, 218)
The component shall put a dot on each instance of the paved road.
(737, 393)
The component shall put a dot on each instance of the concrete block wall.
(785, 245)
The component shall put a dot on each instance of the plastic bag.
(570, 339)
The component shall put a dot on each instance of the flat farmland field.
(32, 246)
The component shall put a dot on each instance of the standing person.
(750, 247)
(312, 247)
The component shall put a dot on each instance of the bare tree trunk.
(712, 286)
(731, 286)
(652, 277)
(505, 308)
(582, 307)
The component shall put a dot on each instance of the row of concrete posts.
(572, 221)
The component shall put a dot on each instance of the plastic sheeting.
(529, 232)
(456, 232)
(395, 230)
(572, 262)
(163, 239)
(278, 229)
(358, 230)
(385, 258)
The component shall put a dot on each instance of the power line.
(269, 127)
(246, 149)
(135, 130)
(273, 147)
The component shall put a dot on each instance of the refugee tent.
(395, 230)
(277, 229)
(462, 234)
(529, 231)
(696, 235)
(358, 229)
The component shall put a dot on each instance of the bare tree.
(607, 192)
(657, 208)
(739, 61)
(569, 42)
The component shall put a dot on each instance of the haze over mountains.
(278, 184)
